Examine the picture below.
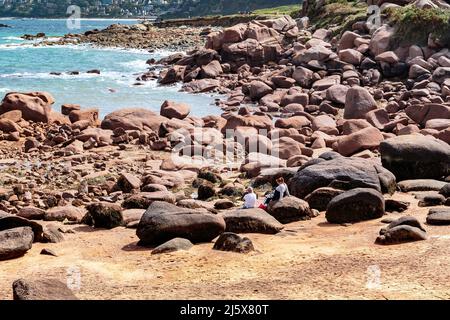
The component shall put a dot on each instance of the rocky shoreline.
(350, 123)
(139, 36)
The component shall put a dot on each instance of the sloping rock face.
(133, 119)
(416, 157)
(350, 172)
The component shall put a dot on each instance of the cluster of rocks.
(39, 35)
(138, 36)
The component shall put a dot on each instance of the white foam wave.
(83, 75)
(135, 65)
(13, 38)
(165, 52)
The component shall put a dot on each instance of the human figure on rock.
(249, 199)
(280, 192)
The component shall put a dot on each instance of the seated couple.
(277, 194)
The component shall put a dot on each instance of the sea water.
(25, 67)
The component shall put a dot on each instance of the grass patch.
(98, 180)
(337, 14)
(291, 10)
(414, 24)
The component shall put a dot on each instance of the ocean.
(25, 67)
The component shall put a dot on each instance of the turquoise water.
(24, 67)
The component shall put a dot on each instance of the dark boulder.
(319, 198)
(233, 242)
(173, 245)
(355, 205)
(9, 221)
(206, 190)
(103, 215)
(420, 185)
(445, 190)
(416, 157)
(431, 200)
(52, 234)
(356, 173)
(407, 220)
(143, 200)
(392, 205)
(251, 221)
(46, 289)
(290, 209)
(401, 234)
(164, 221)
(439, 216)
(15, 242)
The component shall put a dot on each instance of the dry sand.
(309, 260)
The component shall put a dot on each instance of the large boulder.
(439, 216)
(9, 221)
(421, 185)
(367, 138)
(290, 209)
(251, 221)
(35, 106)
(337, 93)
(69, 212)
(404, 229)
(353, 172)
(133, 119)
(421, 114)
(128, 182)
(15, 242)
(170, 109)
(416, 157)
(258, 122)
(164, 221)
(355, 205)
(45, 289)
(358, 103)
(31, 213)
(351, 56)
(259, 89)
(173, 245)
(381, 40)
(320, 198)
(229, 241)
(103, 215)
(142, 200)
(99, 135)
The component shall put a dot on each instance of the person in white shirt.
(249, 199)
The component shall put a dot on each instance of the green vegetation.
(283, 10)
(339, 15)
(132, 8)
(414, 24)
(203, 8)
